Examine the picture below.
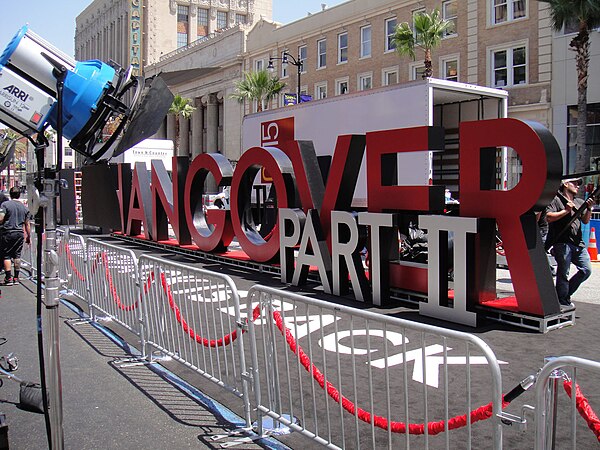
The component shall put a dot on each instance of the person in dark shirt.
(15, 230)
(568, 247)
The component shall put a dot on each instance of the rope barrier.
(433, 428)
(583, 407)
(72, 263)
(113, 289)
(225, 340)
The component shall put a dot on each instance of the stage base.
(514, 318)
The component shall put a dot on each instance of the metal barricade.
(114, 285)
(558, 421)
(193, 316)
(72, 266)
(347, 378)
(29, 255)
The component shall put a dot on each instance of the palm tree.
(427, 34)
(586, 14)
(259, 86)
(181, 106)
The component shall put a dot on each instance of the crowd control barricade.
(348, 378)
(28, 255)
(193, 316)
(72, 266)
(563, 414)
(114, 285)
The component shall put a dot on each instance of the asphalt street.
(129, 416)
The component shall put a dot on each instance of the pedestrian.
(543, 226)
(568, 246)
(15, 229)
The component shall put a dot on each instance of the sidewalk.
(105, 405)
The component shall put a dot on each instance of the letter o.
(209, 234)
(279, 167)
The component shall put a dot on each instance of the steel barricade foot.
(132, 361)
(232, 433)
(274, 427)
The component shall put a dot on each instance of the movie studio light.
(103, 109)
(42, 87)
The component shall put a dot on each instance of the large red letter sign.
(279, 167)
(210, 231)
(513, 209)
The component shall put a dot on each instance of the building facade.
(507, 44)
(348, 48)
(564, 97)
(194, 44)
(138, 33)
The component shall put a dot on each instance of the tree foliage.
(585, 15)
(429, 29)
(257, 86)
(181, 107)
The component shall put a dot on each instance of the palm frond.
(429, 29)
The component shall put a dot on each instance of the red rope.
(433, 428)
(584, 408)
(113, 289)
(226, 340)
(72, 263)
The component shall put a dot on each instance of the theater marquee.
(135, 36)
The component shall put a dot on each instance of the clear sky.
(55, 21)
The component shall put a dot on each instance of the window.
(341, 86)
(183, 15)
(389, 76)
(68, 151)
(321, 90)
(240, 19)
(417, 70)
(259, 64)
(202, 22)
(390, 27)
(221, 20)
(592, 139)
(508, 10)
(284, 67)
(509, 66)
(449, 69)
(365, 81)
(302, 52)
(365, 41)
(342, 48)
(68, 165)
(450, 13)
(321, 53)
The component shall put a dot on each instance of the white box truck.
(430, 102)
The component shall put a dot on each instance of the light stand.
(286, 59)
(49, 184)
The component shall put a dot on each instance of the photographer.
(568, 246)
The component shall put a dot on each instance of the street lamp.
(286, 59)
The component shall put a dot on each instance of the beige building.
(195, 44)
(346, 48)
(139, 32)
(564, 97)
